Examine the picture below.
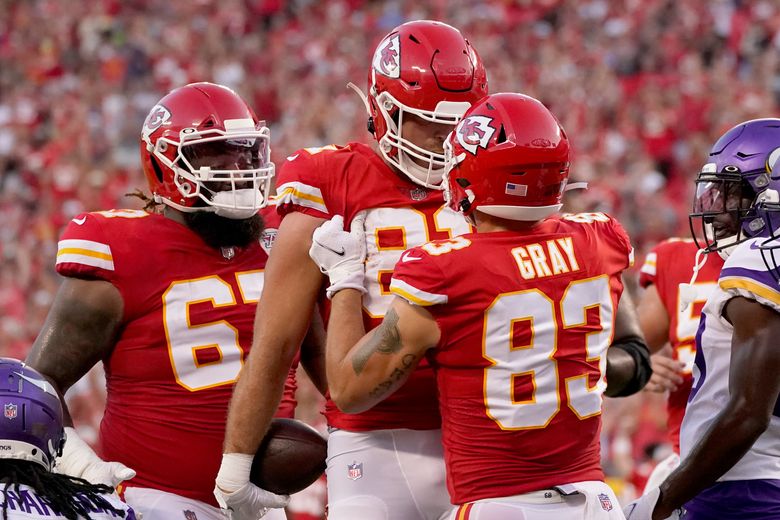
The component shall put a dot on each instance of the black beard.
(225, 232)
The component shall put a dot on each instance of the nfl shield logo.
(9, 410)
(418, 193)
(354, 471)
(227, 253)
(190, 515)
(606, 503)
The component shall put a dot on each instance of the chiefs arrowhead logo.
(387, 58)
(474, 132)
(267, 239)
(157, 116)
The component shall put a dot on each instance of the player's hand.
(667, 374)
(78, 460)
(235, 493)
(341, 254)
(642, 508)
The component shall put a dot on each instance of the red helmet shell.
(424, 62)
(428, 69)
(189, 110)
(509, 157)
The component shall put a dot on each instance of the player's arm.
(292, 283)
(753, 387)
(365, 372)
(313, 352)
(654, 321)
(628, 359)
(80, 330)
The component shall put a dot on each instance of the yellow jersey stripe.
(751, 286)
(409, 296)
(99, 247)
(100, 263)
(84, 252)
(299, 194)
(415, 295)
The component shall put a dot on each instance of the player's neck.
(489, 224)
(174, 214)
(401, 175)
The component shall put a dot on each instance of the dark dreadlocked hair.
(149, 204)
(71, 497)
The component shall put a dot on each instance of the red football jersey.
(526, 319)
(336, 180)
(666, 266)
(188, 320)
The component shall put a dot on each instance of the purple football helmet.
(31, 427)
(730, 188)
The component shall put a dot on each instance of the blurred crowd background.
(643, 87)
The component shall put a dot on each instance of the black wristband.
(636, 347)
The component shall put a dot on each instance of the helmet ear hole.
(157, 170)
(370, 125)
(501, 135)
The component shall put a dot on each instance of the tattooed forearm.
(408, 362)
(385, 339)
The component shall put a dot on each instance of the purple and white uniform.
(25, 504)
(744, 274)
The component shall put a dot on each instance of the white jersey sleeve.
(25, 504)
(744, 274)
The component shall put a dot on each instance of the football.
(291, 457)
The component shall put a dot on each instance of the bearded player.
(386, 463)
(730, 435)
(166, 300)
(669, 312)
(516, 319)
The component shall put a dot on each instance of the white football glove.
(79, 460)
(662, 470)
(642, 508)
(235, 493)
(340, 254)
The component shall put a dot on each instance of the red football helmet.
(508, 157)
(428, 69)
(203, 149)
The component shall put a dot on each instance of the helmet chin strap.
(571, 186)
(237, 204)
(428, 177)
(362, 95)
(729, 246)
(725, 245)
(688, 291)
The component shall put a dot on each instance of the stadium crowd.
(641, 86)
